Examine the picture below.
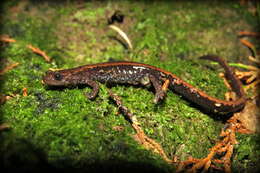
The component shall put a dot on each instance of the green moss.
(61, 128)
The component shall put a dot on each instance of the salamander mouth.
(47, 80)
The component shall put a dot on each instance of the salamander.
(134, 73)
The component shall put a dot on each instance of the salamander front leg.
(95, 89)
(160, 90)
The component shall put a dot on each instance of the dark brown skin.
(137, 73)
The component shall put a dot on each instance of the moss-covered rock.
(61, 129)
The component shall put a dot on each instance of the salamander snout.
(53, 78)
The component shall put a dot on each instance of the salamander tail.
(234, 82)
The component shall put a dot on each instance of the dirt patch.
(87, 36)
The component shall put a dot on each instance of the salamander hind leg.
(160, 90)
(95, 89)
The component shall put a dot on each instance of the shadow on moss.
(20, 154)
(2, 64)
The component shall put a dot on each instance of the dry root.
(219, 155)
(140, 136)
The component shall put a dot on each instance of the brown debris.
(223, 150)
(248, 33)
(6, 39)
(124, 110)
(4, 126)
(251, 77)
(2, 99)
(219, 157)
(249, 117)
(118, 128)
(140, 136)
(25, 92)
(10, 67)
(246, 121)
(149, 143)
(247, 43)
(39, 52)
(222, 75)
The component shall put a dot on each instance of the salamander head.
(55, 78)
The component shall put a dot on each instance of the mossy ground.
(61, 129)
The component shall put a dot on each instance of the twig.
(39, 52)
(10, 67)
(6, 39)
(249, 45)
(248, 33)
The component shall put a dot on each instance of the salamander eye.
(57, 76)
